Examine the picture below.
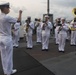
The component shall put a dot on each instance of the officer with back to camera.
(6, 45)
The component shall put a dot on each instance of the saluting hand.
(20, 15)
(20, 11)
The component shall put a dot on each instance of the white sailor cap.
(62, 18)
(58, 19)
(4, 4)
(46, 16)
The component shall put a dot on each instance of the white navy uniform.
(29, 35)
(6, 44)
(16, 34)
(25, 33)
(73, 34)
(68, 32)
(46, 35)
(62, 37)
(39, 31)
(56, 34)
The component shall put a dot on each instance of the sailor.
(69, 31)
(16, 34)
(39, 30)
(6, 44)
(73, 33)
(24, 29)
(29, 33)
(57, 25)
(62, 35)
(46, 27)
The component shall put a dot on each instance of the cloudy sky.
(36, 8)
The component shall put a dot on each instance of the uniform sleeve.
(32, 25)
(65, 28)
(42, 25)
(24, 26)
(17, 25)
(50, 25)
(37, 24)
(10, 19)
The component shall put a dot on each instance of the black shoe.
(63, 51)
(72, 45)
(46, 49)
(60, 51)
(28, 48)
(38, 42)
(43, 49)
(16, 46)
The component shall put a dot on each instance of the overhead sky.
(36, 8)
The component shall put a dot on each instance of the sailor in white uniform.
(16, 34)
(62, 35)
(58, 22)
(24, 29)
(29, 33)
(55, 25)
(6, 44)
(39, 31)
(73, 33)
(46, 27)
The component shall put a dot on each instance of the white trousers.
(45, 40)
(39, 36)
(73, 38)
(62, 40)
(68, 35)
(6, 48)
(29, 41)
(19, 35)
(16, 38)
(56, 35)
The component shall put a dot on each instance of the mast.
(48, 7)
